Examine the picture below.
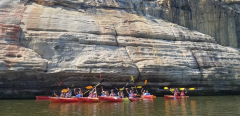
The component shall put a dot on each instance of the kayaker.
(130, 93)
(120, 94)
(143, 92)
(93, 93)
(182, 93)
(175, 93)
(103, 93)
(146, 93)
(69, 92)
(112, 93)
(78, 94)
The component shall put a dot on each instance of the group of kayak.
(93, 96)
(66, 95)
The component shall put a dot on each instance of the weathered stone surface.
(218, 18)
(51, 41)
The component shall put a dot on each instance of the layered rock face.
(218, 18)
(45, 42)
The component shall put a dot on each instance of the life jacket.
(119, 96)
(79, 95)
(130, 94)
(182, 94)
(175, 94)
(147, 93)
(91, 95)
(112, 94)
(94, 96)
(103, 95)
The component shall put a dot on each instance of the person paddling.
(182, 93)
(93, 93)
(104, 94)
(130, 93)
(175, 93)
(112, 93)
(120, 94)
(146, 93)
(78, 94)
(69, 93)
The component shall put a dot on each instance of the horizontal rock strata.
(50, 41)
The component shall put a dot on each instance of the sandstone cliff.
(44, 42)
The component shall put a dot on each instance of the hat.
(103, 91)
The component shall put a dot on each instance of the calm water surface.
(210, 105)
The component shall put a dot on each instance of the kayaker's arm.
(127, 90)
(80, 91)
(186, 90)
(177, 90)
(102, 88)
(171, 91)
(96, 91)
(75, 91)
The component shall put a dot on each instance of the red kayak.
(67, 100)
(92, 100)
(135, 99)
(175, 97)
(110, 99)
(42, 97)
(53, 99)
(82, 99)
(147, 97)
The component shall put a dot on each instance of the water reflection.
(179, 107)
(220, 105)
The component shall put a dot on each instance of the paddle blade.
(172, 89)
(132, 78)
(165, 87)
(89, 87)
(145, 82)
(191, 88)
(72, 85)
(60, 83)
(154, 96)
(181, 88)
(139, 87)
(120, 89)
(64, 90)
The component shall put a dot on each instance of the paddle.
(135, 86)
(123, 87)
(94, 86)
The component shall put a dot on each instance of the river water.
(201, 106)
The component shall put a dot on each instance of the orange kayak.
(67, 100)
(110, 99)
(53, 99)
(147, 96)
(42, 97)
(135, 99)
(82, 99)
(92, 100)
(175, 97)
